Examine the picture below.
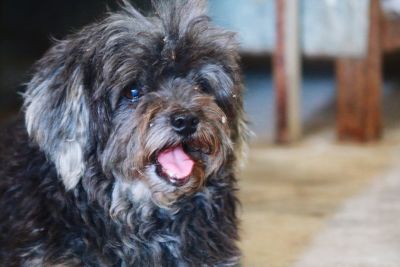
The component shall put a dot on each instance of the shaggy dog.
(128, 152)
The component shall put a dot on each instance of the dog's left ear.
(57, 113)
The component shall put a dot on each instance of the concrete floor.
(290, 193)
(365, 230)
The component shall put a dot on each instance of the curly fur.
(79, 185)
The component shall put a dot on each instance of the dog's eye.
(132, 93)
(205, 86)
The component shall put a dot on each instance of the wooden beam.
(359, 83)
(391, 33)
(287, 71)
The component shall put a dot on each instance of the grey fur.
(85, 188)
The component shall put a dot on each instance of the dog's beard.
(145, 150)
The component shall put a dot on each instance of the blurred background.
(321, 186)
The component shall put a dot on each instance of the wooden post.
(287, 72)
(359, 84)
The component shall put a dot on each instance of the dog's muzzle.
(175, 163)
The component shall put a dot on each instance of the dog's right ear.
(57, 113)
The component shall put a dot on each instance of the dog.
(129, 148)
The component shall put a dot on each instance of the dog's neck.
(125, 194)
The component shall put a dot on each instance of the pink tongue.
(175, 162)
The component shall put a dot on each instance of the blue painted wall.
(328, 27)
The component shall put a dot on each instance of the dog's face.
(155, 102)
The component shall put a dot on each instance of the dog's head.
(155, 101)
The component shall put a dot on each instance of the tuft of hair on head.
(177, 15)
(127, 8)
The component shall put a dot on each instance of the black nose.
(184, 124)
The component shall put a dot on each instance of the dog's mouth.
(174, 165)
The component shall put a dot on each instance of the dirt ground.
(289, 193)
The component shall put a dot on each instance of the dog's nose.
(184, 124)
